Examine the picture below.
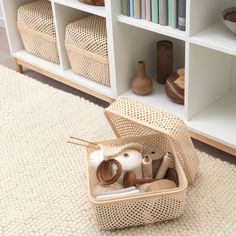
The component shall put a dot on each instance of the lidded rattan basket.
(86, 44)
(35, 23)
(132, 121)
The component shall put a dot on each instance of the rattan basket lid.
(128, 117)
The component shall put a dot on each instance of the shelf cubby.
(204, 14)
(212, 94)
(138, 44)
(76, 4)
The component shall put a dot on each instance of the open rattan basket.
(132, 121)
(36, 27)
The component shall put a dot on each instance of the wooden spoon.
(131, 180)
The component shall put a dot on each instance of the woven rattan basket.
(35, 23)
(132, 121)
(86, 44)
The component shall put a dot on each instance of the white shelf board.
(76, 4)
(157, 28)
(216, 37)
(38, 62)
(218, 121)
(68, 74)
(158, 99)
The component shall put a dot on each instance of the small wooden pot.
(94, 2)
(141, 84)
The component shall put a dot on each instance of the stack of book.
(164, 12)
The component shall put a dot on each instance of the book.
(174, 14)
(170, 13)
(148, 10)
(137, 9)
(182, 15)
(131, 8)
(123, 7)
(143, 9)
(127, 8)
(163, 12)
(155, 11)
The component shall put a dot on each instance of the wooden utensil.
(104, 171)
(131, 180)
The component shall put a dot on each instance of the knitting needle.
(79, 144)
(80, 139)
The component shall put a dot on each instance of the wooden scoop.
(131, 180)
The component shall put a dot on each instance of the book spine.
(163, 12)
(148, 10)
(132, 8)
(123, 7)
(143, 9)
(182, 15)
(174, 14)
(137, 8)
(155, 11)
(170, 15)
(127, 8)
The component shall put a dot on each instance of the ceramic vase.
(141, 84)
(164, 60)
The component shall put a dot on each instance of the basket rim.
(139, 196)
(96, 57)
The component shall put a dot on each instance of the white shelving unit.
(206, 49)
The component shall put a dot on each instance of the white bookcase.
(206, 49)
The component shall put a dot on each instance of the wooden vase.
(141, 84)
(164, 59)
(94, 2)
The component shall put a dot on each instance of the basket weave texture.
(128, 117)
(35, 23)
(133, 121)
(143, 208)
(86, 44)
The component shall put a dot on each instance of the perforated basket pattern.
(86, 44)
(146, 207)
(138, 212)
(128, 117)
(35, 23)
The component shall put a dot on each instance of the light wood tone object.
(134, 122)
(207, 50)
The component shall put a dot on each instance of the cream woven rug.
(42, 178)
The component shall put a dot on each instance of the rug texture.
(43, 180)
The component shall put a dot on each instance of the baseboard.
(2, 24)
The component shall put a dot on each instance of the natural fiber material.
(35, 23)
(143, 208)
(43, 181)
(86, 44)
(131, 118)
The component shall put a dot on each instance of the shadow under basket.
(130, 125)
